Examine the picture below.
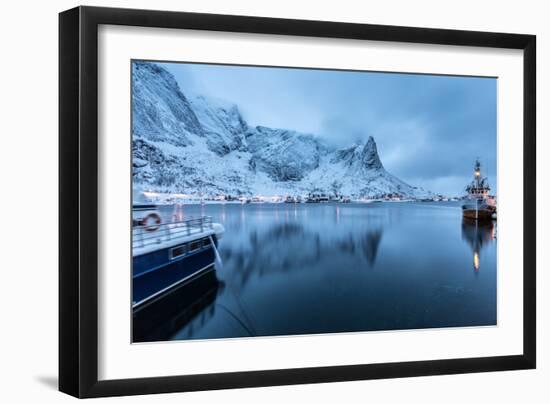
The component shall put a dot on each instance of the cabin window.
(178, 251)
(199, 244)
(195, 245)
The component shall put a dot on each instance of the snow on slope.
(160, 111)
(199, 145)
(222, 124)
(282, 154)
(358, 171)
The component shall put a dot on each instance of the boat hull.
(158, 319)
(479, 214)
(157, 273)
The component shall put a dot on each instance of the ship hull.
(157, 273)
(479, 214)
(157, 319)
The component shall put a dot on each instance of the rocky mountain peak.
(362, 155)
(222, 122)
(369, 155)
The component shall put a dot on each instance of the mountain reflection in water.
(291, 247)
(321, 268)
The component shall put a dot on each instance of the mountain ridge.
(203, 146)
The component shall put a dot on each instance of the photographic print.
(276, 201)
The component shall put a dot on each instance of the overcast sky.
(429, 129)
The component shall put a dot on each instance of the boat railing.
(145, 236)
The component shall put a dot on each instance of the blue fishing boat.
(166, 255)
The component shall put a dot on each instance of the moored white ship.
(479, 205)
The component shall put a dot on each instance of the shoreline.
(357, 202)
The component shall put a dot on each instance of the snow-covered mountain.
(198, 145)
(222, 124)
(283, 155)
(160, 110)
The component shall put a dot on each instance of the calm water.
(321, 268)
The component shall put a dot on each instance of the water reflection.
(478, 234)
(371, 243)
(190, 306)
(288, 247)
(318, 268)
(178, 213)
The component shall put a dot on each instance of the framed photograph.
(251, 201)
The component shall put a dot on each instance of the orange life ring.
(156, 222)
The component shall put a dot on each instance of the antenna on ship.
(477, 168)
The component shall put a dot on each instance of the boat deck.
(150, 238)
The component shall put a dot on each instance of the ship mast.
(478, 180)
(479, 187)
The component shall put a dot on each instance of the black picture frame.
(78, 196)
